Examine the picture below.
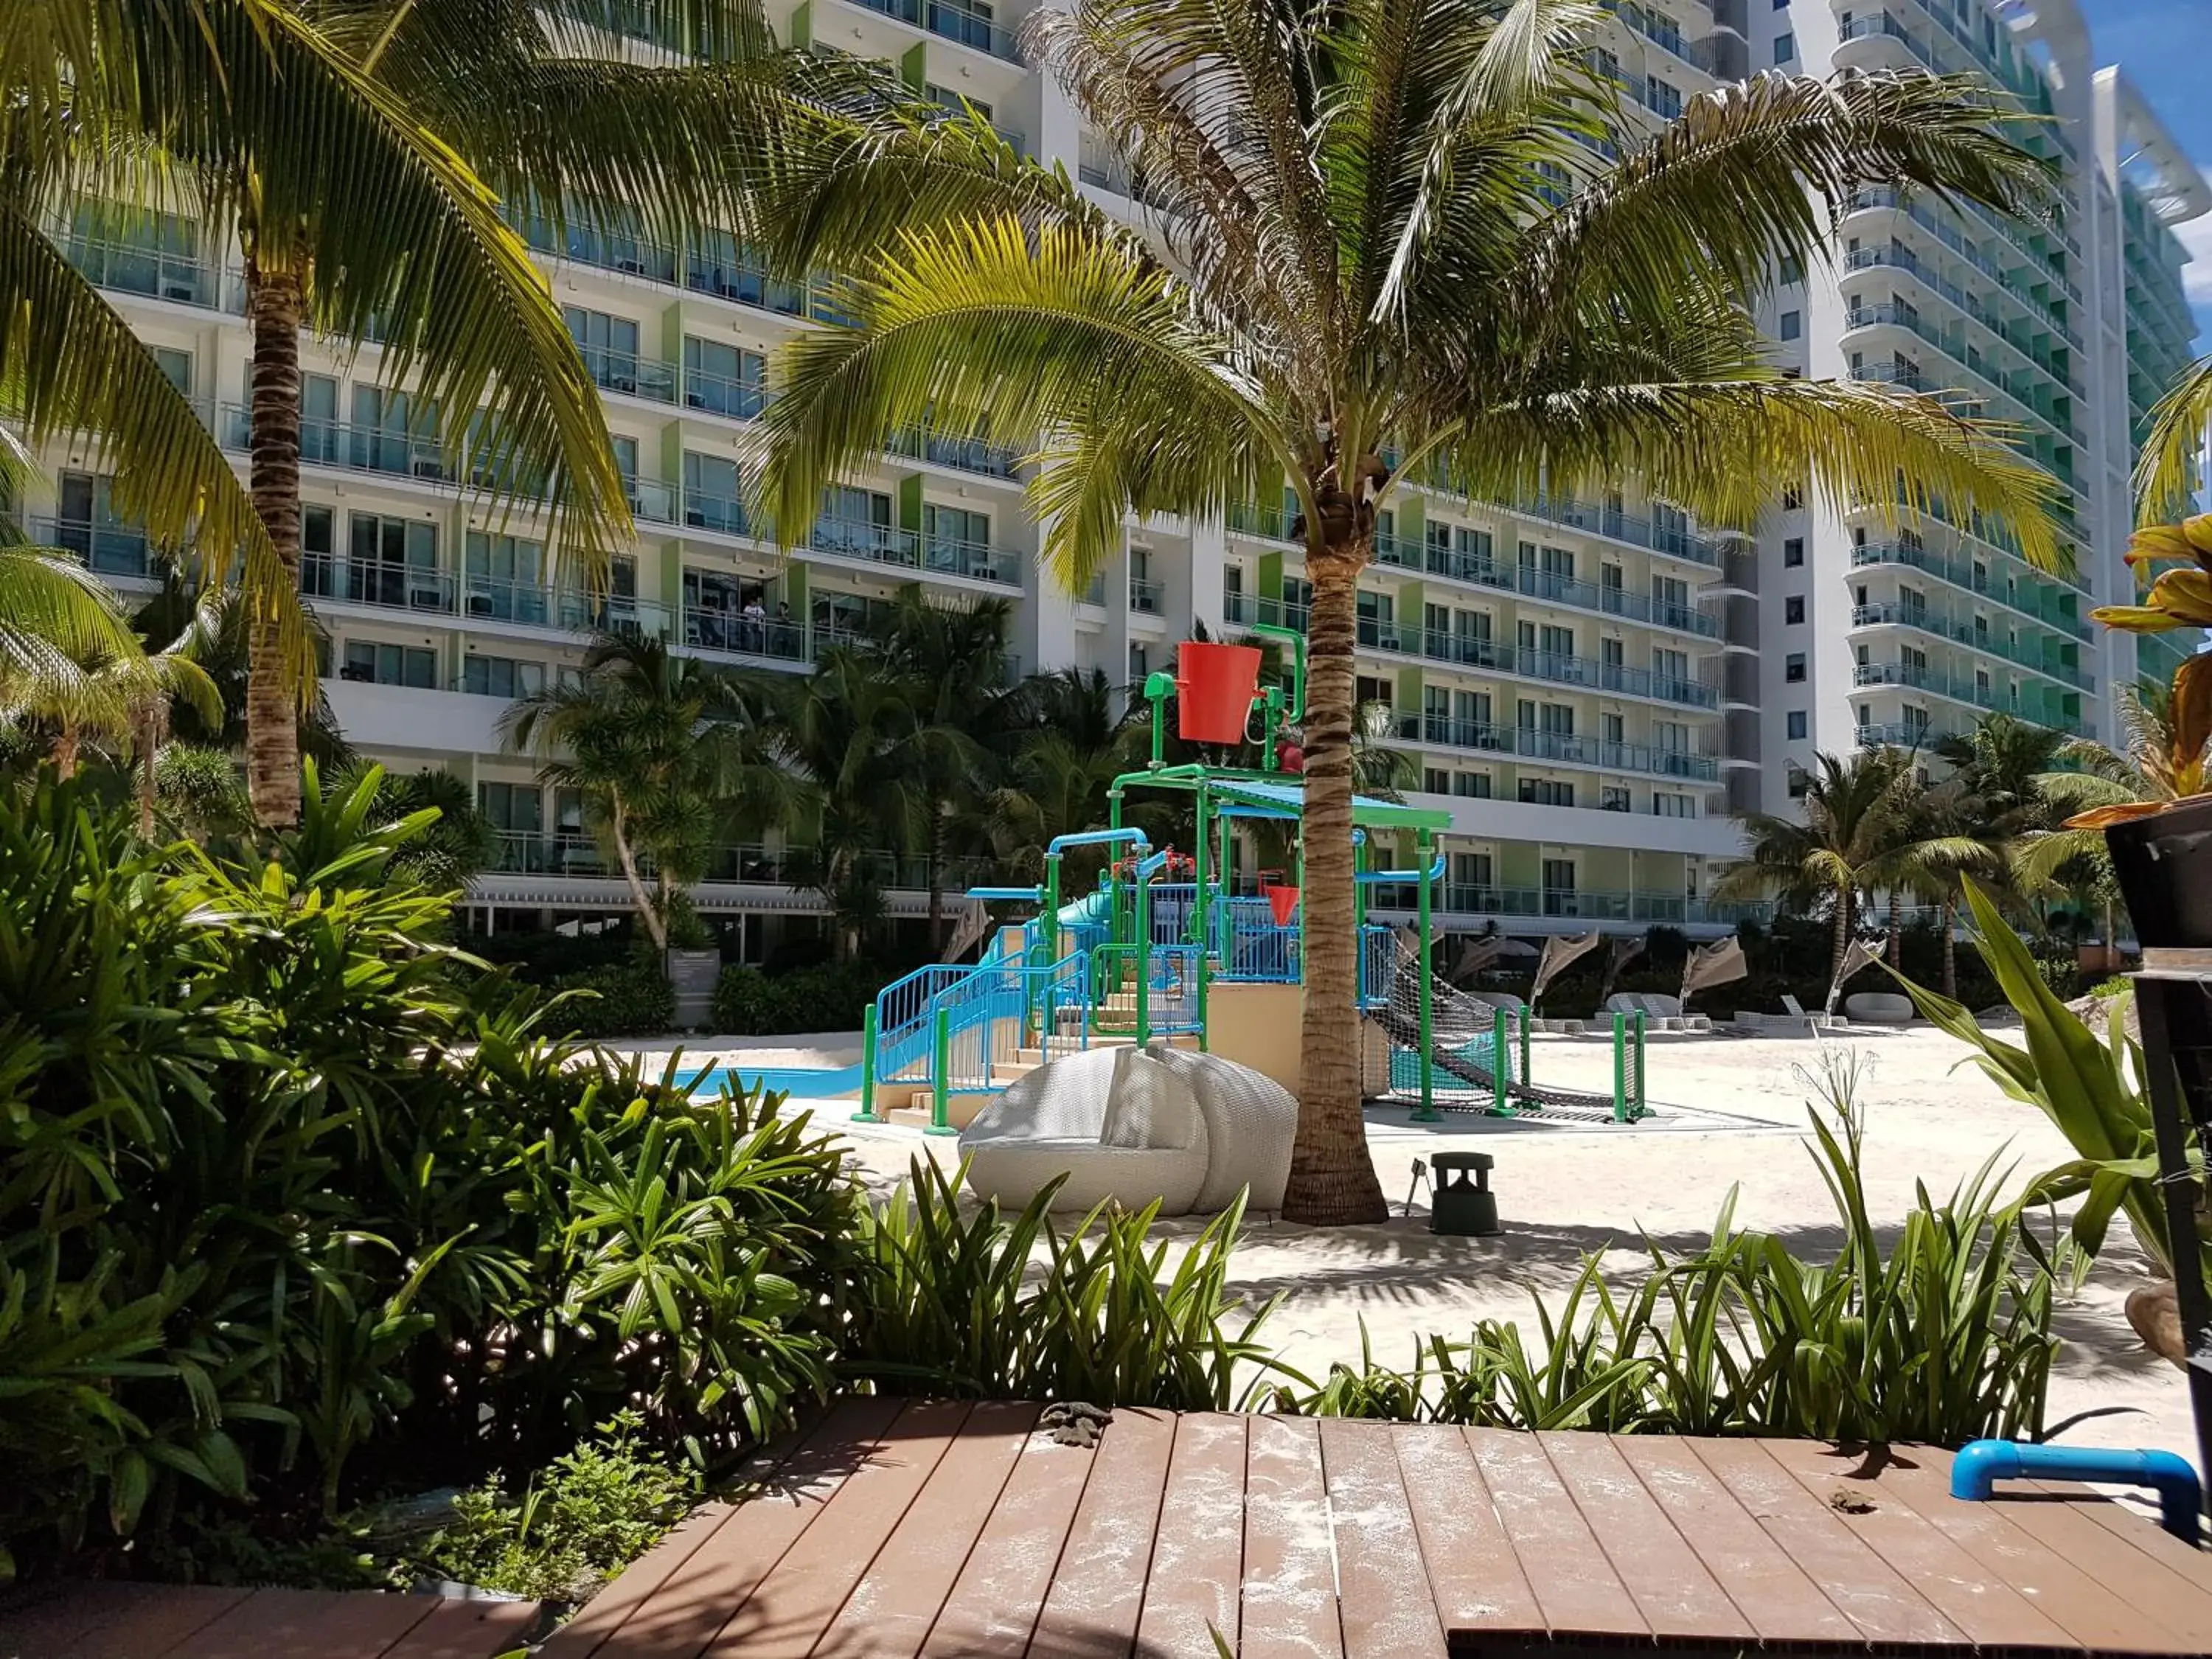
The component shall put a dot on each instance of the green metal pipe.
(940, 1120)
(1298, 644)
(1498, 1103)
(1141, 907)
(867, 1112)
(1619, 1066)
(1428, 1113)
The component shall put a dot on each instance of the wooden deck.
(80, 1620)
(925, 1529)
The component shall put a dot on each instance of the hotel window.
(504, 577)
(1436, 780)
(1785, 47)
(1793, 324)
(1793, 610)
(1612, 728)
(1139, 667)
(512, 808)
(1793, 668)
(1795, 723)
(1793, 552)
(1470, 786)
(1548, 791)
(368, 663)
(1799, 781)
(393, 561)
(502, 676)
(1791, 270)
(1674, 806)
(177, 366)
(1612, 798)
(1793, 497)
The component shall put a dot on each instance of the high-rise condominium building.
(1591, 685)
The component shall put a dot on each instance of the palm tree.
(1946, 834)
(1356, 276)
(101, 687)
(1847, 842)
(667, 755)
(353, 216)
(950, 662)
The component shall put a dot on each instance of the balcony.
(1670, 535)
(123, 266)
(1268, 523)
(918, 443)
(949, 22)
(1903, 734)
(1918, 676)
(1960, 573)
(721, 632)
(718, 394)
(1962, 632)
(107, 547)
(630, 375)
(1474, 651)
(725, 515)
(1569, 749)
(2017, 387)
(1147, 598)
(887, 544)
(1878, 197)
(393, 450)
(1903, 259)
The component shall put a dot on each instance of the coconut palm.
(1855, 809)
(353, 216)
(667, 755)
(950, 662)
(1356, 274)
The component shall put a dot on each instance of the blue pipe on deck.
(1981, 1464)
(1097, 838)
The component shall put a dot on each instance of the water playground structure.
(1173, 946)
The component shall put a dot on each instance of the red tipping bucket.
(1214, 688)
(1284, 902)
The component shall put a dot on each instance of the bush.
(1945, 1338)
(577, 1523)
(632, 998)
(833, 997)
(285, 1176)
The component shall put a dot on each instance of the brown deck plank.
(2094, 1614)
(1475, 1577)
(466, 1630)
(1989, 1611)
(1098, 1594)
(995, 1602)
(1767, 1587)
(1198, 1560)
(670, 1602)
(891, 1610)
(2067, 1521)
(98, 1620)
(1674, 1591)
(1863, 1587)
(1576, 1586)
(288, 1624)
(1289, 1575)
(2194, 1566)
(788, 1609)
(1387, 1609)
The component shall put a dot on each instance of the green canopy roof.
(1367, 812)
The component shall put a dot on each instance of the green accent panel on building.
(909, 502)
(671, 576)
(1520, 864)
(914, 67)
(1608, 869)
(802, 25)
(795, 587)
(672, 319)
(1410, 517)
(1409, 690)
(1411, 616)
(672, 445)
(1271, 579)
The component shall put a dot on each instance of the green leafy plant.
(2089, 1087)
(586, 1515)
(829, 998)
(1943, 1336)
(632, 998)
(953, 1309)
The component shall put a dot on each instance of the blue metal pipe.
(1981, 1464)
(1008, 894)
(1150, 867)
(1097, 838)
(1403, 877)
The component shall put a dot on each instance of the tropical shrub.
(953, 1308)
(283, 1175)
(2090, 1088)
(1944, 1336)
(630, 997)
(829, 998)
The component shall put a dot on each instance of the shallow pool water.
(806, 1082)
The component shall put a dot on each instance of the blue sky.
(2165, 47)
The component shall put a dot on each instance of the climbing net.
(1463, 1036)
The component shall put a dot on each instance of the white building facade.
(1589, 686)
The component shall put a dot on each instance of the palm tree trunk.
(1843, 940)
(152, 716)
(65, 748)
(936, 885)
(276, 301)
(1896, 932)
(618, 827)
(1333, 1181)
(1950, 947)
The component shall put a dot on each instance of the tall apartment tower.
(1589, 685)
(2068, 331)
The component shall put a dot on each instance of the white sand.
(1931, 1117)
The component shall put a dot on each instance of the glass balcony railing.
(124, 267)
(2014, 385)
(970, 27)
(1961, 631)
(723, 514)
(879, 543)
(388, 586)
(1570, 749)
(718, 394)
(968, 454)
(1967, 305)
(2039, 270)
(1147, 598)
(106, 546)
(1960, 573)
(1919, 677)
(630, 375)
(1250, 519)
(391, 450)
